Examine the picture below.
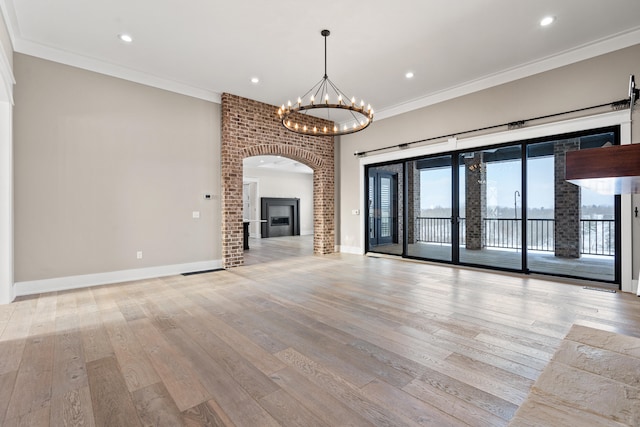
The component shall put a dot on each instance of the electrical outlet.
(195, 214)
(139, 254)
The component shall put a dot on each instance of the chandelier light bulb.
(333, 106)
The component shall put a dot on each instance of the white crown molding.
(6, 72)
(102, 67)
(6, 77)
(10, 19)
(38, 50)
(87, 280)
(591, 50)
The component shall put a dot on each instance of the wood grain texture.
(111, 402)
(72, 408)
(208, 414)
(133, 361)
(155, 407)
(317, 341)
(181, 381)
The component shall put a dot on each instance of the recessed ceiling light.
(409, 75)
(255, 80)
(125, 37)
(547, 20)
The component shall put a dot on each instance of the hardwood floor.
(300, 341)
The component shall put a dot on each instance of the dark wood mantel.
(606, 170)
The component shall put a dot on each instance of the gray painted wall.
(105, 168)
(595, 81)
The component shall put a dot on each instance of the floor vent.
(202, 272)
(611, 291)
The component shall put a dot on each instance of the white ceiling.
(205, 47)
(278, 163)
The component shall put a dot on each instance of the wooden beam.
(606, 170)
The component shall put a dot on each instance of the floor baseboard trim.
(349, 250)
(86, 280)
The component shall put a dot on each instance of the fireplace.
(280, 217)
(279, 221)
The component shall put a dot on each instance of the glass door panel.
(384, 206)
(430, 208)
(571, 231)
(490, 225)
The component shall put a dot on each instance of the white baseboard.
(356, 250)
(86, 280)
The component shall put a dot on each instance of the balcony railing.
(597, 236)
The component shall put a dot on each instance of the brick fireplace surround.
(251, 128)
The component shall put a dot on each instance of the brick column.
(413, 200)
(475, 200)
(567, 204)
(251, 128)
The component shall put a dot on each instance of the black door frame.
(377, 174)
(455, 255)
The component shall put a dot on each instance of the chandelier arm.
(324, 91)
(337, 90)
(313, 87)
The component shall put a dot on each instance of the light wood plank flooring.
(299, 341)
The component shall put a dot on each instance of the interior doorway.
(277, 178)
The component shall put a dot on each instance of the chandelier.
(325, 101)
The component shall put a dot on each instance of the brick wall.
(475, 200)
(567, 204)
(251, 128)
(413, 200)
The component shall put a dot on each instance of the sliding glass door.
(505, 207)
(571, 231)
(490, 188)
(430, 208)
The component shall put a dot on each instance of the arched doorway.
(251, 128)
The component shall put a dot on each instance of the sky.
(503, 180)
